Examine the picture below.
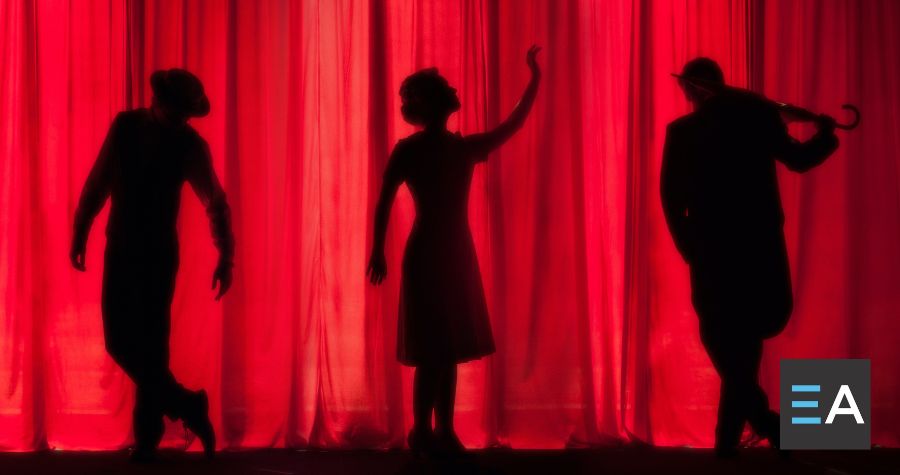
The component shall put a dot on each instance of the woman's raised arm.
(484, 143)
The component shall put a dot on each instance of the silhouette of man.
(722, 206)
(147, 156)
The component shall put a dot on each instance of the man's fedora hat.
(181, 90)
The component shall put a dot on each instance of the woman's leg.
(445, 399)
(424, 385)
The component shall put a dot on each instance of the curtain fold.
(589, 301)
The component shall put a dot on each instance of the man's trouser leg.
(147, 417)
(736, 357)
(136, 328)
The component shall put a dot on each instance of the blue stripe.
(806, 420)
(805, 388)
(804, 403)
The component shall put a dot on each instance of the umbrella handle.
(799, 114)
(853, 123)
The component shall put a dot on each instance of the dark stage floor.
(594, 462)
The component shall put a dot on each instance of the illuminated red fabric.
(589, 300)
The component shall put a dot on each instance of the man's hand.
(826, 123)
(76, 255)
(531, 60)
(377, 269)
(825, 128)
(222, 276)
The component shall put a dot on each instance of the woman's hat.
(181, 90)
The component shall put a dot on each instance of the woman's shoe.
(421, 442)
(447, 443)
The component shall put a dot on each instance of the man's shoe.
(772, 432)
(775, 441)
(726, 452)
(142, 456)
(196, 419)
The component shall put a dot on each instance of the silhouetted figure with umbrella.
(722, 206)
(147, 156)
(443, 317)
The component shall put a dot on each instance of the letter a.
(836, 408)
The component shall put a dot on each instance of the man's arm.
(801, 156)
(673, 191)
(94, 194)
(203, 180)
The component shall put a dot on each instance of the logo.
(825, 404)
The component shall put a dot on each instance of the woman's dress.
(443, 316)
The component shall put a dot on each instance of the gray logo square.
(825, 404)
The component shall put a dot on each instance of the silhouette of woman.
(443, 317)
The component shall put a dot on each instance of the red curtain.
(589, 301)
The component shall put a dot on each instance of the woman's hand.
(377, 269)
(480, 145)
(531, 60)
